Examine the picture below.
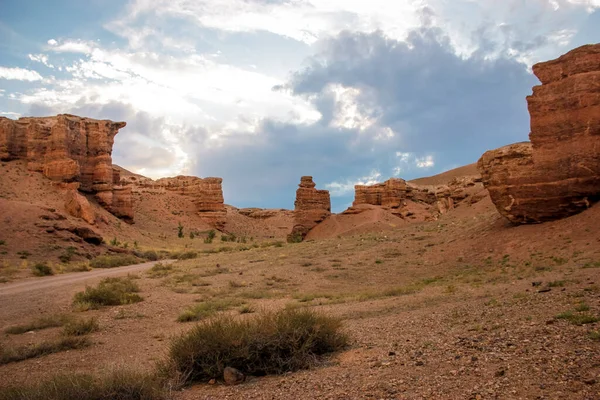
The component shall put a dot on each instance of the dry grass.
(15, 354)
(48, 321)
(271, 343)
(119, 384)
(207, 308)
(81, 327)
(114, 261)
(109, 292)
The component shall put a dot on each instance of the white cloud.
(425, 162)
(41, 58)
(303, 20)
(52, 42)
(339, 189)
(19, 74)
(188, 89)
(10, 114)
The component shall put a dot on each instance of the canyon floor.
(464, 307)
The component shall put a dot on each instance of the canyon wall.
(205, 193)
(558, 173)
(71, 150)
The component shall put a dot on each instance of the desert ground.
(466, 306)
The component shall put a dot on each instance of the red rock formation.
(207, 195)
(390, 194)
(312, 206)
(79, 207)
(558, 174)
(122, 203)
(66, 149)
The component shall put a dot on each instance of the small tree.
(192, 235)
(180, 230)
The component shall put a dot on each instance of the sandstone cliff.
(389, 194)
(206, 194)
(312, 206)
(558, 173)
(71, 150)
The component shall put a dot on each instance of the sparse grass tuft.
(582, 307)
(109, 292)
(159, 270)
(119, 384)
(41, 269)
(578, 318)
(81, 327)
(207, 308)
(15, 354)
(594, 335)
(49, 321)
(114, 261)
(271, 343)
(246, 309)
(557, 284)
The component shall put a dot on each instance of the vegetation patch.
(15, 354)
(109, 292)
(81, 327)
(578, 318)
(207, 308)
(114, 261)
(119, 384)
(41, 269)
(49, 321)
(159, 270)
(272, 343)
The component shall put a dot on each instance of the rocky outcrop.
(558, 173)
(389, 194)
(206, 194)
(312, 206)
(79, 207)
(260, 213)
(67, 149)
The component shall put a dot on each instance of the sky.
(262, 92)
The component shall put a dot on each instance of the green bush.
(41, 269)
(180, 231)
(81, 327)
(113, 261)
(15, 354)
(271, 343)
(109, 292)
(119, 384)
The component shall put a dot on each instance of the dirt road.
(52, 282)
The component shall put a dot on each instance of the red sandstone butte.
(312, 206)
(558, 173)
(68, 149)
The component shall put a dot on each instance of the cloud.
(41, 58)
(19, 74)
(302, 20)
(339, 189)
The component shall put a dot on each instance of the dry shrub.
(272, 343)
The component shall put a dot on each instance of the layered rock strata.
(67, 149)
(389, 194)
(312, 206)
(206, 194)
(558, 173)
